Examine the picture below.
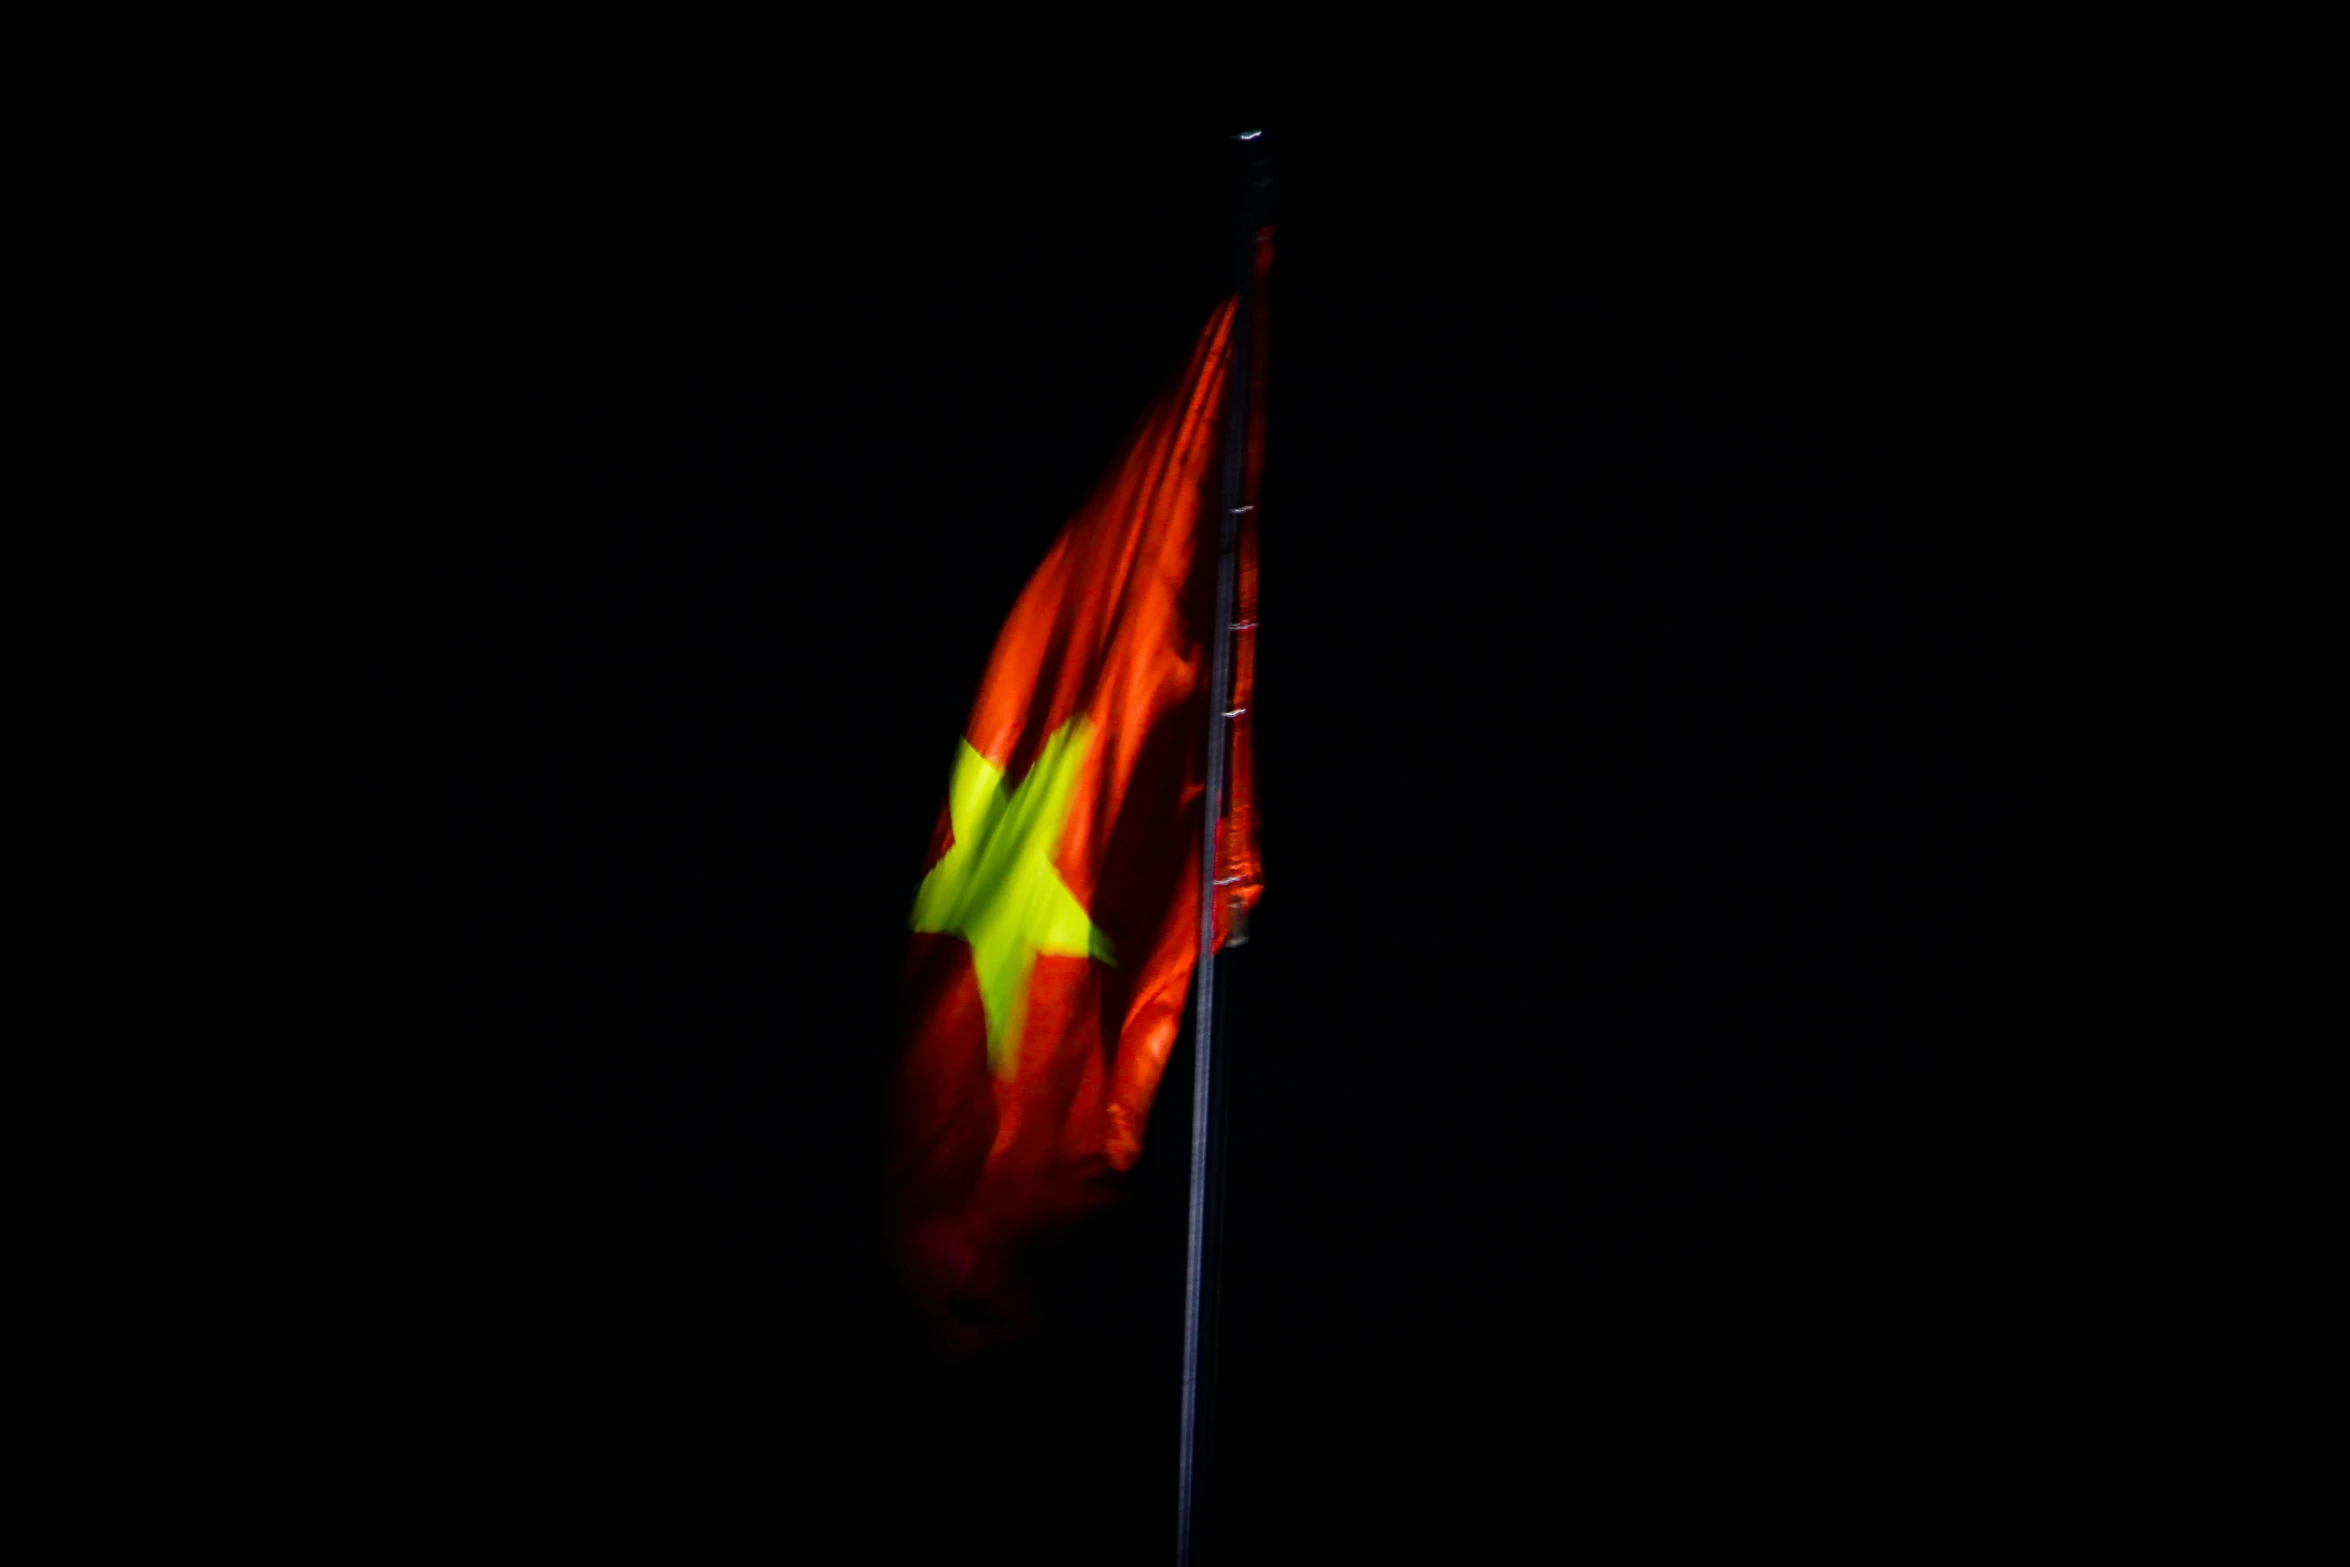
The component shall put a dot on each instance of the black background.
(1626, 1123)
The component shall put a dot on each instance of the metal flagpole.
(1201, 1272)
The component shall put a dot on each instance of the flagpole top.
(1256, 159)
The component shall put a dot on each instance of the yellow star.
(997, 888)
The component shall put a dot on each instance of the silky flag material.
(1057, 925)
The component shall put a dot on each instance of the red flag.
(1056, 927)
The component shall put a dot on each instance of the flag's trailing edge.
(1056, 928)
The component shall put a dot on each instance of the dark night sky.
(1634, 775)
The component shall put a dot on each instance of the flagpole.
(1202, 1271)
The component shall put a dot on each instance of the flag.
(1056, 926)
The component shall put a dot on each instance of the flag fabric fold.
(1056, 926)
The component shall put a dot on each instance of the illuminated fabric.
(1055, 931)
(996, 887)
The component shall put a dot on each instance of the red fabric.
(1111, 628)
